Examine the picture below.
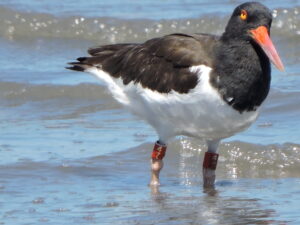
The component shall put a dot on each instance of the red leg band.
(210, 160)
(159, 151)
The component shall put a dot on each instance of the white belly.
(209, 122)
(191, 115)
(200, 113)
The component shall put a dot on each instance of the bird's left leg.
(157, 164)
(210, 164)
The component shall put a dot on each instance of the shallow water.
(112, 188)
(69, 152)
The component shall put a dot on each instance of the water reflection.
(231, 201)
(208, 207)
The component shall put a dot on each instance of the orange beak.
(261, 36)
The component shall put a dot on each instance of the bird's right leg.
(157, 164)
(210, 164)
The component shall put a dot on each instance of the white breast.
(200, 113)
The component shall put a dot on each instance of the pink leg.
(157, 164)
(210, 164)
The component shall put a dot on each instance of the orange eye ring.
(244, 15)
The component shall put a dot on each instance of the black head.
(246, 17)
(251, 22)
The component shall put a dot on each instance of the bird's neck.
(242, 74)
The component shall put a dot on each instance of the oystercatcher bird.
(199, 85)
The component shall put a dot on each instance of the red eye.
(244, 15)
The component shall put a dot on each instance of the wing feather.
(161, 64)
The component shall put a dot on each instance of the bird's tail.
(94, 64)
(101, 56)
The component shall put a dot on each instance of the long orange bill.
(261, 36)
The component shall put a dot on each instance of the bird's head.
(250, 22)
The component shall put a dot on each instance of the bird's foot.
(156, 166)
(209, 177)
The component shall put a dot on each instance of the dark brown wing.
(161, 64)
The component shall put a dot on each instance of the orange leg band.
(210, 160)
(159, 151)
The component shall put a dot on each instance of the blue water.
(69, 152)
(134, 9)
